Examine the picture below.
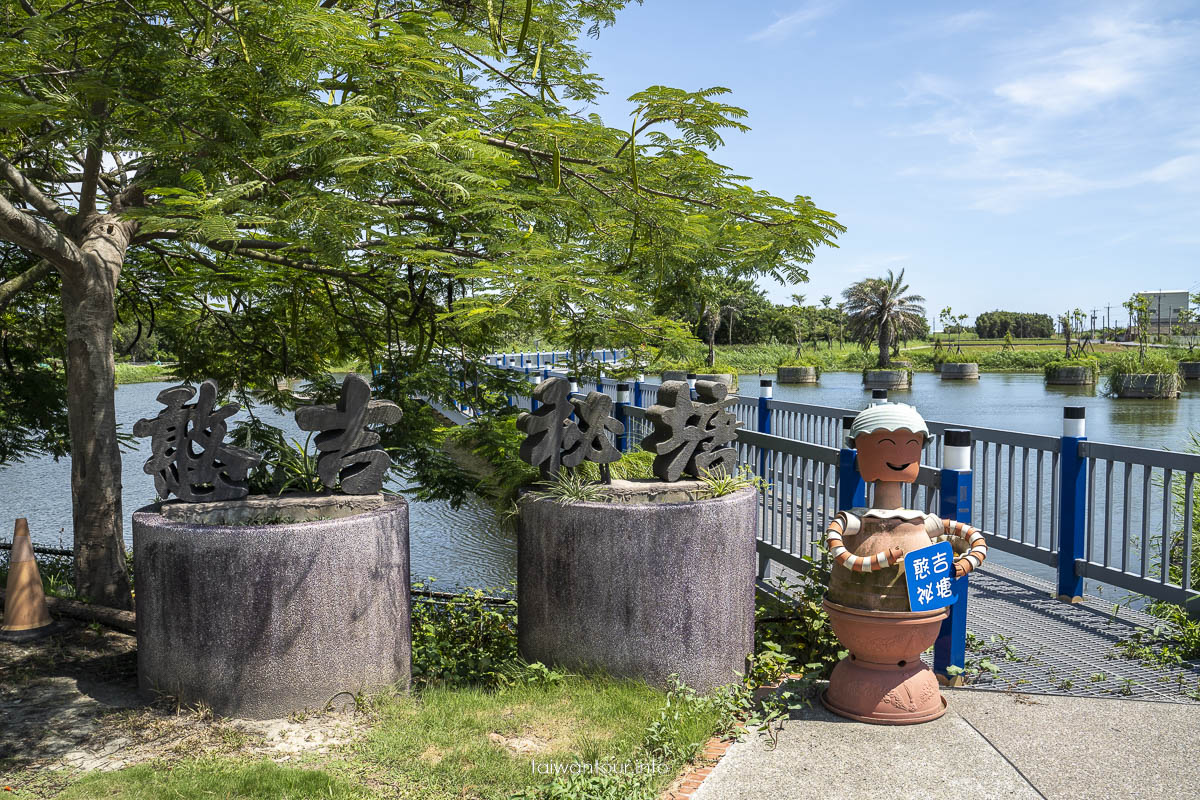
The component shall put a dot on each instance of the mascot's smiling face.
(890, 455)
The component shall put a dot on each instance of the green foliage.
(999, 324)
(33, 409)
(1089, 362)
(1144, 363)
(567, 488)
(791, 615)
(216, 777)
(881, 311)
(958, 357)
(632, 466)
(721, 483)
(462, 639)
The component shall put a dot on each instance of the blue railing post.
(852, 490)
(622, 417)
(533, 401)
(691, 381)
(637, 390)
(1072, 505)
(764, 421)
(538, 357)
(950, 649)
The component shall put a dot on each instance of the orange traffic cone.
(25, 613)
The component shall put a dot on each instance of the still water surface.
(459, 547)
(468, 547)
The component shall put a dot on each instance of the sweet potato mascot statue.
(883, 680)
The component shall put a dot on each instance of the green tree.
(880, 310)
(282, 185)
(1138, 306)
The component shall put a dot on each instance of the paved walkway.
(1007, 746)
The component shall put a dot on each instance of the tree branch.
(11, 288)
(38, 238)
(91, 167)
(33, 195)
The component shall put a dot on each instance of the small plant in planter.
(798, 370)
(959, 366)
(1080, 370)
(261, 605)
(607, 570)
(1145, 376)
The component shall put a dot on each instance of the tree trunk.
(885, 342)
(88, 309)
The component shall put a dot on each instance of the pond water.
(468, 547)
(459, 547)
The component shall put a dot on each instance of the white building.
(1165, 308)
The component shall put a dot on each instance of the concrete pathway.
(988, 745)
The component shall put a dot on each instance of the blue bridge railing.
(1120, 515)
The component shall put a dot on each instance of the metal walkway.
(1043, 646)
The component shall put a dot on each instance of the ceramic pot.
(883, 680)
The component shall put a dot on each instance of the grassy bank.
(142, 373)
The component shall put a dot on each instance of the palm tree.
(880, 310)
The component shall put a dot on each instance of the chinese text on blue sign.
(930, 575)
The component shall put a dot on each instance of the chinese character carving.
(691, 437)
(590, 442)
(553, 440)
(349, 451)
(548, 430)
(189, 458)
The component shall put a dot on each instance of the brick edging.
(684, 786)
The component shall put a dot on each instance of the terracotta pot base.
(883, 680)
(884, 694)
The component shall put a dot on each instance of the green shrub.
(801, 362)
(464, 638)
(1153, 363)
(1059, 363)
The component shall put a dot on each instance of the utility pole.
(1107, 323)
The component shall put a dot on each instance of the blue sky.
(1025, 156)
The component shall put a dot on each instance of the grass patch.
(215, 778)
(454, 743)
(142, 373)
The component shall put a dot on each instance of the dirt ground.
(69, 704)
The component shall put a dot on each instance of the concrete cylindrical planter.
(797, 375)
(960, 371)
(643, 587)
(1071, 376)
(720, 377)
(674, 375)
(265, 606)
(1190, 370)
(937, 366)
(1146, 385)
(887, 379)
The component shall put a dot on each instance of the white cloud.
(1174, 169)
(788, 24)
(1080, 69)
(1085, 106)
(960, 23)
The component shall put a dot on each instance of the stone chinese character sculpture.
(884, 680)
(349, 451)
(692, 437)
(189, 457)
(553, 440)
(593, 415)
